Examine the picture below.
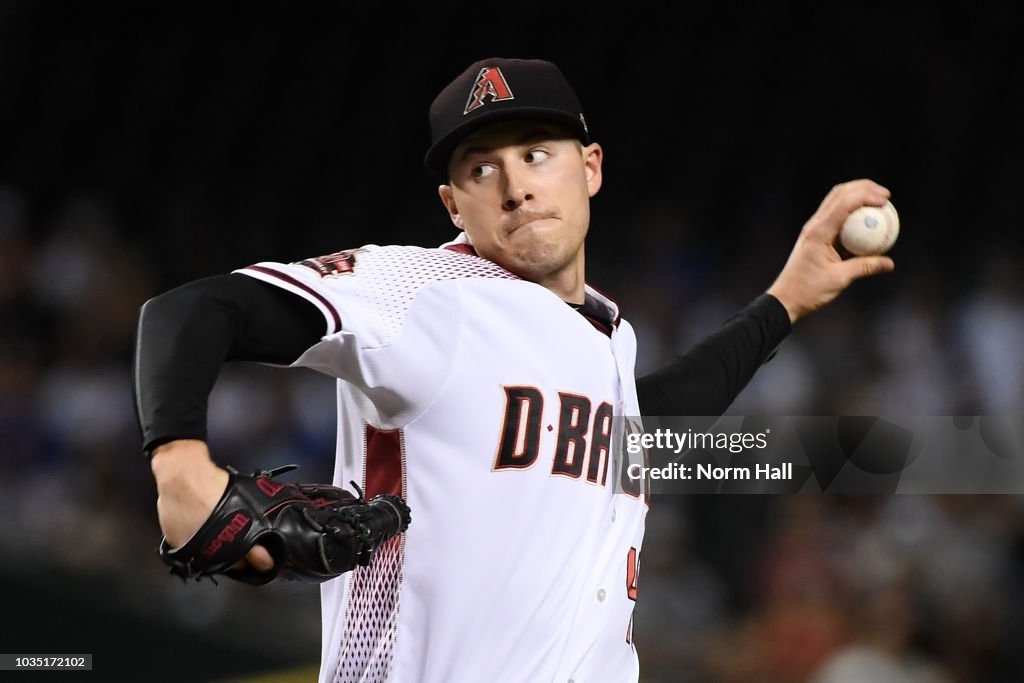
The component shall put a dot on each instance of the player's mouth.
(528, 220)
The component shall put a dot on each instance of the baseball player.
(478, 382)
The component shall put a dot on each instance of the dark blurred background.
(141, 148)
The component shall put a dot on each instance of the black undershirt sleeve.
(186, 334)
(706, 379)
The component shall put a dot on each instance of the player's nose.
(516, 188)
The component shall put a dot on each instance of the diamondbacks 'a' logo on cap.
(490, 84)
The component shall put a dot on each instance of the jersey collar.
(600, 309)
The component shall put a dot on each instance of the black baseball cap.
(499, 89)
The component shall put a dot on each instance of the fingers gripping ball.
(870, 230)
(312, 532)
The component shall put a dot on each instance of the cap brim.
(437, 157)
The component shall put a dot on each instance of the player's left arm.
(708, 377)
(815, 273)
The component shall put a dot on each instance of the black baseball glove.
(312, 532)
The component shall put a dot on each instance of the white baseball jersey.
(487, 402)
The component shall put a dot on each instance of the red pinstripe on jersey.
(368, 643)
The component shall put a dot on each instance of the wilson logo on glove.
(227, 534)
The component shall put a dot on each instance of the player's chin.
(536, 264)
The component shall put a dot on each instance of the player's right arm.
(183, 338)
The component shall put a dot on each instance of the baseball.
(870, 230)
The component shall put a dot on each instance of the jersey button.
(600, 595)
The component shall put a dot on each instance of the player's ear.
(448, 199)
(593, 155)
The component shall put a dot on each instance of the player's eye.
(535, 155)
(481, 170)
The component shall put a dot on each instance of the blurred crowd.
(824, 589)
(832, 589)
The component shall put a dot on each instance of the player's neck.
(568, 283)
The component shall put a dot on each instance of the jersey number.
(632, 573)
(632, 570)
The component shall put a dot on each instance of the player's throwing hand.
(815, 273)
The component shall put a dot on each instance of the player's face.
(521, 191)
